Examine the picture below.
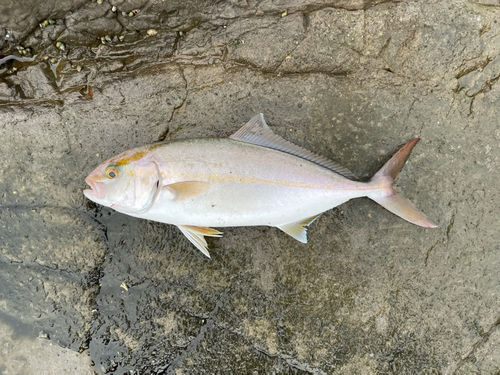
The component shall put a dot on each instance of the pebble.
(61, 46)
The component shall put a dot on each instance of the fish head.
(126, 182)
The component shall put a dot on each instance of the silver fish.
(253, 178)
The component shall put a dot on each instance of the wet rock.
(23, 18)
(161, 46)
(32, 83)
(6, 92)
(129, 4)
(60, 304)
(99, 26)
(59, 279)
(25, 234)
(112, 66)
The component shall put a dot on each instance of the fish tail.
(386, 194)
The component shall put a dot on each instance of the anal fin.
(298, 229)
(196, 236)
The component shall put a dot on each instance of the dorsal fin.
(258, 133)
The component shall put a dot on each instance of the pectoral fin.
(196, 236)
(187, 189)
(298, 229)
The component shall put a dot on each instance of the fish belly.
(245, 205)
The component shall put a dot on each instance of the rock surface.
(350, 80)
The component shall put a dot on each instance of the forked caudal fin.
(392, 199)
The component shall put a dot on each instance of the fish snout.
(98, 189)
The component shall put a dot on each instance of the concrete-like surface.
(23, 354)
(350, 80)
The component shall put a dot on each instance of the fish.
(253, 178)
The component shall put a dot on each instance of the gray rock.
(333, 43)
(265, 47)
(370, 293)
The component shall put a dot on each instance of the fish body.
(249, 185)
(253, 178)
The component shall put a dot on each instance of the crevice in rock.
(479, 65)
(429, 252)
(290, 361)
(35, 265)
(193, 344)
(470, 355)
(163, 136)
(450, 227)
(452, 101)
(306, 22)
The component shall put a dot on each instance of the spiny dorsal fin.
(298, 229)
(196, 236)
(258, 133)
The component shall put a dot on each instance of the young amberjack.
(253, 178)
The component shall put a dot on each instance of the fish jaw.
(97, 192)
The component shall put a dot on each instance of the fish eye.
(112, 171)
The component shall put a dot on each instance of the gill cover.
(144, 188)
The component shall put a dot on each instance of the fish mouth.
(98, 189)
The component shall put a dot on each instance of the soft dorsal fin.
(258, 133)
(196, 236)
(298, 229)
